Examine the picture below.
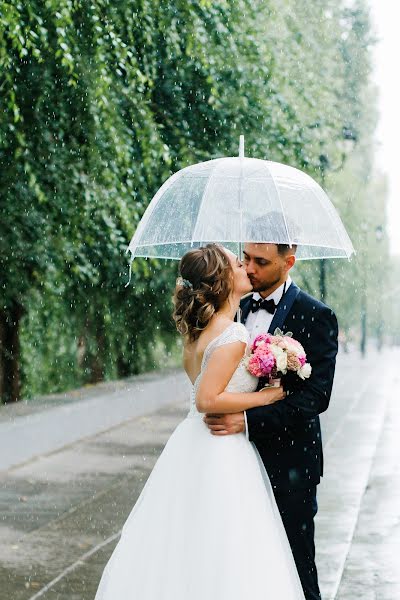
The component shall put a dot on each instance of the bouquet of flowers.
(272, 356)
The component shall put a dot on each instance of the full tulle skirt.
(205, 527)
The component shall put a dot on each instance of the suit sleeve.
(309, 398)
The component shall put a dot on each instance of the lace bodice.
(241, 380)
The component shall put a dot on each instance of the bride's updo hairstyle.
(203, 287)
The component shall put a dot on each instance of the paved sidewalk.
(349, 452)
(61, 512)
(372, 569)
(50, 423)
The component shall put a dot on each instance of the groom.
(287, 434)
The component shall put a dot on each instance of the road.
(65, 494)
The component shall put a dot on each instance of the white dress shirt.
(260, 321)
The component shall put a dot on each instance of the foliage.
(100, 103)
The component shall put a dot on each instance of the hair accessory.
(184, 282)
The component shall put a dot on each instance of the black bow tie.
(268, 305)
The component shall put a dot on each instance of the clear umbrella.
(237, 200)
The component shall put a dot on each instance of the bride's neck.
(230, 308)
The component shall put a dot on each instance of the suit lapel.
(245, 307)
(283, 308)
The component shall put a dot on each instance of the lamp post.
(364, 296)
(349, 138)
(379, 233)
(363, 339)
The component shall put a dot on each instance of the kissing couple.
(228, 511)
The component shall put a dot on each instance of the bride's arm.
(211, 396)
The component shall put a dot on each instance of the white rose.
(280, 357)
(305, 371)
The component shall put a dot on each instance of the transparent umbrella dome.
(236, 200)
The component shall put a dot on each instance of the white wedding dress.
(206, 525)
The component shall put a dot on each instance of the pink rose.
(278, 341)
(302, 359)
(260, 340)
(292, 344)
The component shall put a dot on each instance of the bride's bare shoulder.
(212, 331)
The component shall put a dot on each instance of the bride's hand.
(271, 395)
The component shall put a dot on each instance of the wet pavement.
(62, 508)
(52, 422)
(372, 569)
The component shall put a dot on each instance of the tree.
(101, 102)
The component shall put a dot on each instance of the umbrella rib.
(332, 214)
(283, 212)
(149, 211)
(203, 196)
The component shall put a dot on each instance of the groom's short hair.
(285, 248)
(273, 224)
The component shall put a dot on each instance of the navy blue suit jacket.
(287, 434)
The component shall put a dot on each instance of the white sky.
(385, 17)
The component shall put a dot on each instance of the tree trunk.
(123, 367)
(10, 378)
(91, 356)
(97, 366)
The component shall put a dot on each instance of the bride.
(206, 525)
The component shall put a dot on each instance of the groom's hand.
(225, 424)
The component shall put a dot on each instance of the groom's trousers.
(298, 508)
